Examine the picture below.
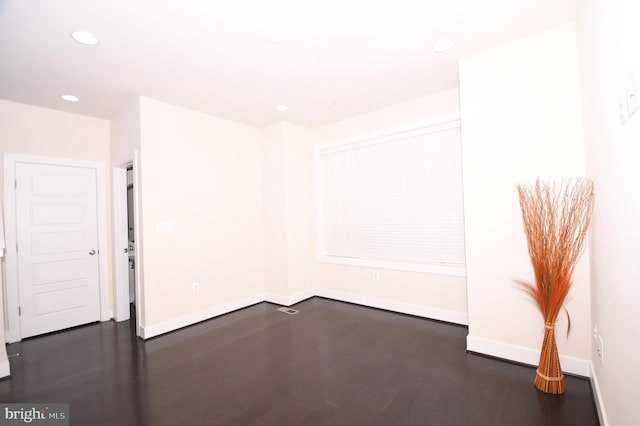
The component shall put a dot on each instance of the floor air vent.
(289, 311)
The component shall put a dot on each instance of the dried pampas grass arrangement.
(555, 218)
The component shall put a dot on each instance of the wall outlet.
(376, 275)
(601, 349)
(599, 344)
(195, 288)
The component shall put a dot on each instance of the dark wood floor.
(331, 364)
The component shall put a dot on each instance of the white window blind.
(394, 201)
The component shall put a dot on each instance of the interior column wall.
(521, 118)
(608, 34)
(288, 213)
(202, 216)
(275, 220)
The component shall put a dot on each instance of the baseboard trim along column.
(577, 366)
(196, 317)
(597, 397)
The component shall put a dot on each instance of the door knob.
(92, 252)
(126, 250)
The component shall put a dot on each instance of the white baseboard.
(196, 317)
(276, 299)
(148, 332)
(391, 305)
(597, 396)
(577, 366)
(289, 300)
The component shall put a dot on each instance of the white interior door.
(57, 237)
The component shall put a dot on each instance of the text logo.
(39, 414)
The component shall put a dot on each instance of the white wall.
(299, 209)
(289, 216)
(437, 296)
(521, 118)
(125, 133)
(608, 36)
(274, 220)
(30, 130)
(204, 174)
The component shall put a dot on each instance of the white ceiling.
(339, 58)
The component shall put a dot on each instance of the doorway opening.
(131, 240)
(127, 247)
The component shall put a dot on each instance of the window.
(394, 200)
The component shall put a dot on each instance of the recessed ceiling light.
(282, 108)
(442, 45)
(70, 98)
(84, 38)
(274, 37)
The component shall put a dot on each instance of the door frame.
(120, 240)
(11, 262)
